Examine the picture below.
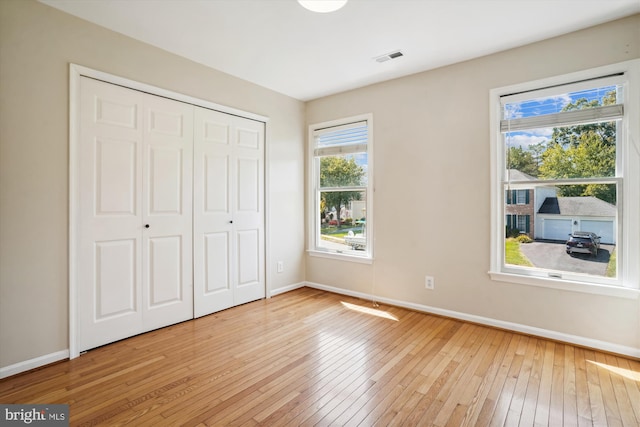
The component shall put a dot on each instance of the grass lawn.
(611, 267)
(512, 254)
(340, 232)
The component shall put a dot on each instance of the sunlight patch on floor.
(627, 373)
(371, 311)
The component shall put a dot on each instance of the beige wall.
(431, 136)
(37, 45)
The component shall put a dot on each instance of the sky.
(542, 106)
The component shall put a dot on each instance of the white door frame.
(75, 73)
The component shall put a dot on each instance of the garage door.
(556, 229)
(604, 229)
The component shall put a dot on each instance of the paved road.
(553, 256)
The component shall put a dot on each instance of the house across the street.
(560, 216)
(539, 213)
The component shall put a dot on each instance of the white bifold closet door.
(135, 213)
(228, 211)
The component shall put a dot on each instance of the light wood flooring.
(310, 357)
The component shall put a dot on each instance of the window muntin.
(341, 170)
(564, 148)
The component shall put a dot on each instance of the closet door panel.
(115, 282)
(167, 213)
(228, 216)
(217, 273)
(248, 209)
(110, 214)
(165, 271)
(115, 177)
(216, 184)
(248, 257)
(213, 173)
(248, 188)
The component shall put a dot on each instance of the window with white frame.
(570, 145)
(341, 168)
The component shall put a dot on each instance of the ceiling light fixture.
(322, 6)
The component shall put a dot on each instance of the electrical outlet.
(280, 267)
(429, 282)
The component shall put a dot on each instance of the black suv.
(583, 242)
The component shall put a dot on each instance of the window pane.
(343, 220)
(579, 100)
(571, 228)
(581, 151)
(343, 170)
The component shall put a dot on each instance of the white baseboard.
(288, 288)
(37, 362)
(516, 327)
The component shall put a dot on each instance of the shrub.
(523, 238)
(512, 232)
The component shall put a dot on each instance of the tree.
(524, 161)
(537, 150)
(570, 135)
(339, 172)
(583, 151)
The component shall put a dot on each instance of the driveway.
(553, 256)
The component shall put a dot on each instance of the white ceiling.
(279, 45)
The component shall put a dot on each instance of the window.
(518, 223)
(341, 170)
(565, 162)
(517, 197)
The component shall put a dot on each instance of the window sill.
(340, 256)
(566, 285)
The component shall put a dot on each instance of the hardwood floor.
(310, 357)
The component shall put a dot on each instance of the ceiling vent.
(387, 56)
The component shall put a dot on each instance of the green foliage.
(338, 171)
(581, 151)
(611, 266)
(512, 254)
(512, 232)
(523, 238)
(572, 135)
(524, 161)
(591, 157)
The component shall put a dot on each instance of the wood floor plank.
(608, 395)
(622, 397)
(546, 382)
(310, 357)
(519, 393)
(527, 416)
(583, 405)
(632, 384)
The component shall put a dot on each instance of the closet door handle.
(231, 222)
(146, 226)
